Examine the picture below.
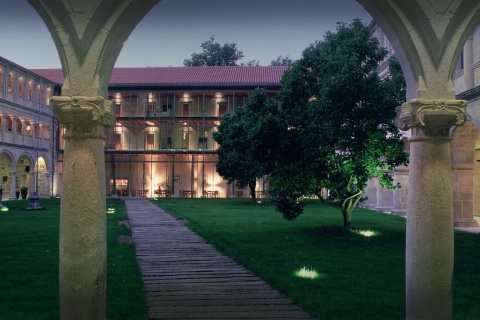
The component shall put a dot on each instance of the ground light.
(110, 211)
(366, 233)
(306, 273)
(4, 209)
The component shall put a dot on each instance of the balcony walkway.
(186, 278)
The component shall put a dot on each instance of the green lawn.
(29, 264)
(359, 277)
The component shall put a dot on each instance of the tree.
(214, 54)
(340, 116)
(247, 140)
(281, 61)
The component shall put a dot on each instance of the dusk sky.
(174, 29)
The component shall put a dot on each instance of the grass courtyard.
(29, 264)
(358, 276)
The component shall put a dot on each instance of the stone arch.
(6, 168)
(427, 42)
(42, 183)
(24, 171)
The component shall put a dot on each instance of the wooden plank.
(187, 278)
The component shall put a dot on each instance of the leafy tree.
(281, 61)
(247, 140)
(340, 116)
(214, 54)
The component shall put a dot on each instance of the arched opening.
(463, 148)
(11, 81)
(23, 176)
(42, 182)
(6, 175)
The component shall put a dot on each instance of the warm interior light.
(29, 128)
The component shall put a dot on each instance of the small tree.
(214, 54)
(281, 61)
(247, 139)
(334, 102)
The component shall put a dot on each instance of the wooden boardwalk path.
(186, 278)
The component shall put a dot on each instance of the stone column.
(33, 173)
(400, 195)
(384, 198)
(462, 176)
(429, 243)
(82, 242)
(13, 184)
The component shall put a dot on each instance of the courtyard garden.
(332, 272)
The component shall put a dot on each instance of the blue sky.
(174, 29)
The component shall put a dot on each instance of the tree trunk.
(251, 186)
(347, 218)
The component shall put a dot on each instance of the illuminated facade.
(162, 144)
(27, 131)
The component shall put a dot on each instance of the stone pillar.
(33, 173)
(370, 194)
(13, 189)
(384, 199)
(462, 176)
(467, 64)
(82, 242)
(400, 195)
(429, 243)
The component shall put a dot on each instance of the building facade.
(162, 144)
(27, 131)
(465, 146)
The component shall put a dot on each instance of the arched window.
(39, 93)
(1, 78)
(19, 126)
(48, 95)
(28, 130)
(11, 81)
(21, 86)
(1, 121)
(46, 132)
(9, 123)
(37, 130)
(30, 90)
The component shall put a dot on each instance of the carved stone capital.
(431, 118)
(84, 117)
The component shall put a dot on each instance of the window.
(222, 108)
(37, 130)
(118, 139)
(1, 78)
(19, 126)
(21, 86)
(186, 110)
(30, 89)
(150, 141)
(11, 81)
(1, 121)
(9, 123)
(39, 93)
(29, 129)
(46, 132)
(48, 95)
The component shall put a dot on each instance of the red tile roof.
(184, 75)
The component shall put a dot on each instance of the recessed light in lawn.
(366, 233)
(110, 211)
(4, 209)
(307, 273)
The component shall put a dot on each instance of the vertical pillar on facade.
(89, 36)
(13, 190)
(33, 172)
(370, 195)
(468, 64)
(429, 244)
(400, 195)
(384, 199)
(83, 270)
